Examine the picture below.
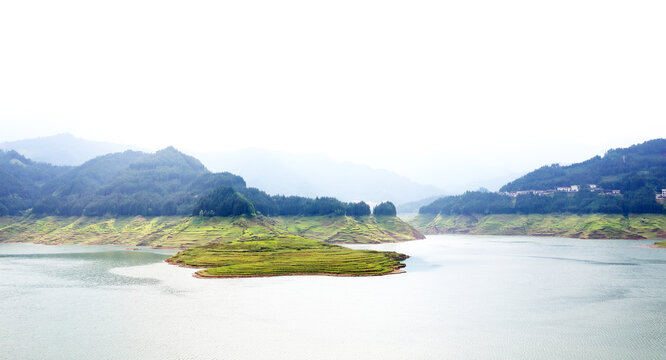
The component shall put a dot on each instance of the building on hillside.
(661, 198)
(572, 188)
(662, 195)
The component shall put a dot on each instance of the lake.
(463, 297)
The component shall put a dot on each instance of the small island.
(660, 244)
(285, 255)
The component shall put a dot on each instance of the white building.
(572, 188)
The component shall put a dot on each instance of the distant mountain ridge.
(62, 149)
(317, 175)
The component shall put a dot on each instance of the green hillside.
(628, 169)
(21, 180)
(624, 181)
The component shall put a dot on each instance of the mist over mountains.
(272, 171)
(317, 175)
(63, 149)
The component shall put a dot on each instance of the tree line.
(226, 201)
(582, 202)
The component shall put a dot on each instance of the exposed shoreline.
(174, 232)
(574, 226)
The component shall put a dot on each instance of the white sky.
(430, 89)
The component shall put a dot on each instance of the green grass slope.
(183, 232)
(286, 255)
(587, 226)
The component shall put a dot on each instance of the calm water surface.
(463, 297)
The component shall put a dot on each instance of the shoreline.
(186, 231)
(566, 225)
(562, 236)
(199, 276)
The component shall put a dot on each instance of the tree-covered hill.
(628, 169)
(638, 172)
(130, 183)
(21, 180)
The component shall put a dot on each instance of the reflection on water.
(463, 297)
(78, 269)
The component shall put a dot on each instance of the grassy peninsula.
(285, 255)
(660, 244)
(586, 226)
(184, 232)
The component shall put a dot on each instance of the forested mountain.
(21, 180)
(632, 168)
(638, 172)
(62, 149)
(167, 182)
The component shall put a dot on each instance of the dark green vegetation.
(581, 202)
(248, 201)
(472, 202)
(586, 226)
(629, 169)
(182, 232)
(129, 183)
(224, 201)
(286, 255)
(385, 209)
(132, 183)
(21, 181)
(639, 172)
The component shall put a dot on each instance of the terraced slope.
(182, 232)
(587, 226)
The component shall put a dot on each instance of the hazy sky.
(426, 88)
